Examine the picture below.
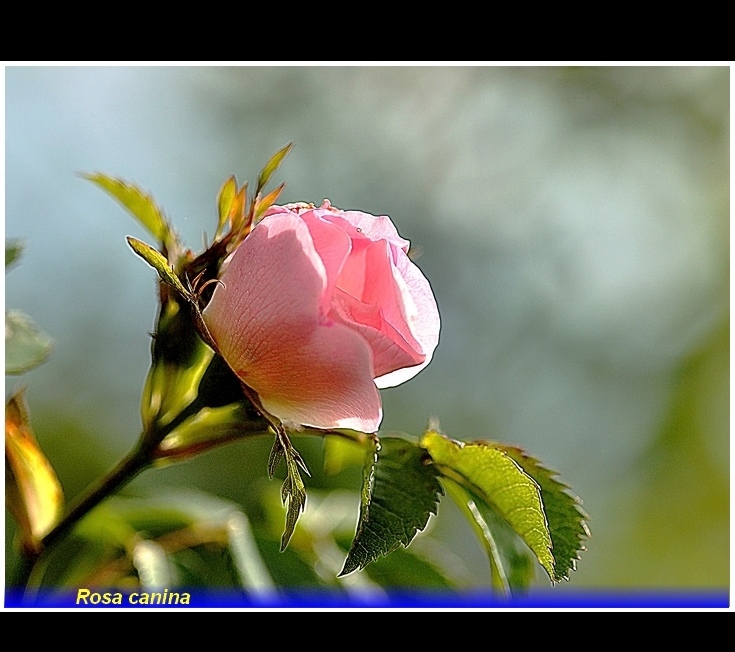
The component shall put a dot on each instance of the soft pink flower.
(319, 307)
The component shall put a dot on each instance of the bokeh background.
(573, 222)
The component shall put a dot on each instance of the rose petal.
(266, 321)
(322, 385)
(369, 299)
(390, 349)
(424, 322)
(363, 225)
(333, 246)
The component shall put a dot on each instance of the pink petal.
(322, 385)
(333, 246)
(363, 225)
(390, 350)
(374, 299)
(422, 317)
(266, 321)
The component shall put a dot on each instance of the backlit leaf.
(499, 576)
(512, 564)
(272, 166)
(491, 474)
(225, 200)
(566, 519)
(140, 205)
(399, 493)
(32, 490)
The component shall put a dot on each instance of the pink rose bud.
(319, 307)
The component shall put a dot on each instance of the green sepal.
(273, 164)
(293, 491)
(180, 361)
(225, 201)
(293, 495)
(159, 262)
(209, 427)
(192, 400)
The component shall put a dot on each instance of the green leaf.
(158, 261)
(140, 205)
(26, 346)
(519, 563)
(566, 519)
(275, 457)
(399, 493)
(490, 473)
(13, 250)
(272, 166)
(499, 578)
(512, 564)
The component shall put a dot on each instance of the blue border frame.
(199, 598)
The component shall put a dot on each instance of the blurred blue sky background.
(574, 224)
